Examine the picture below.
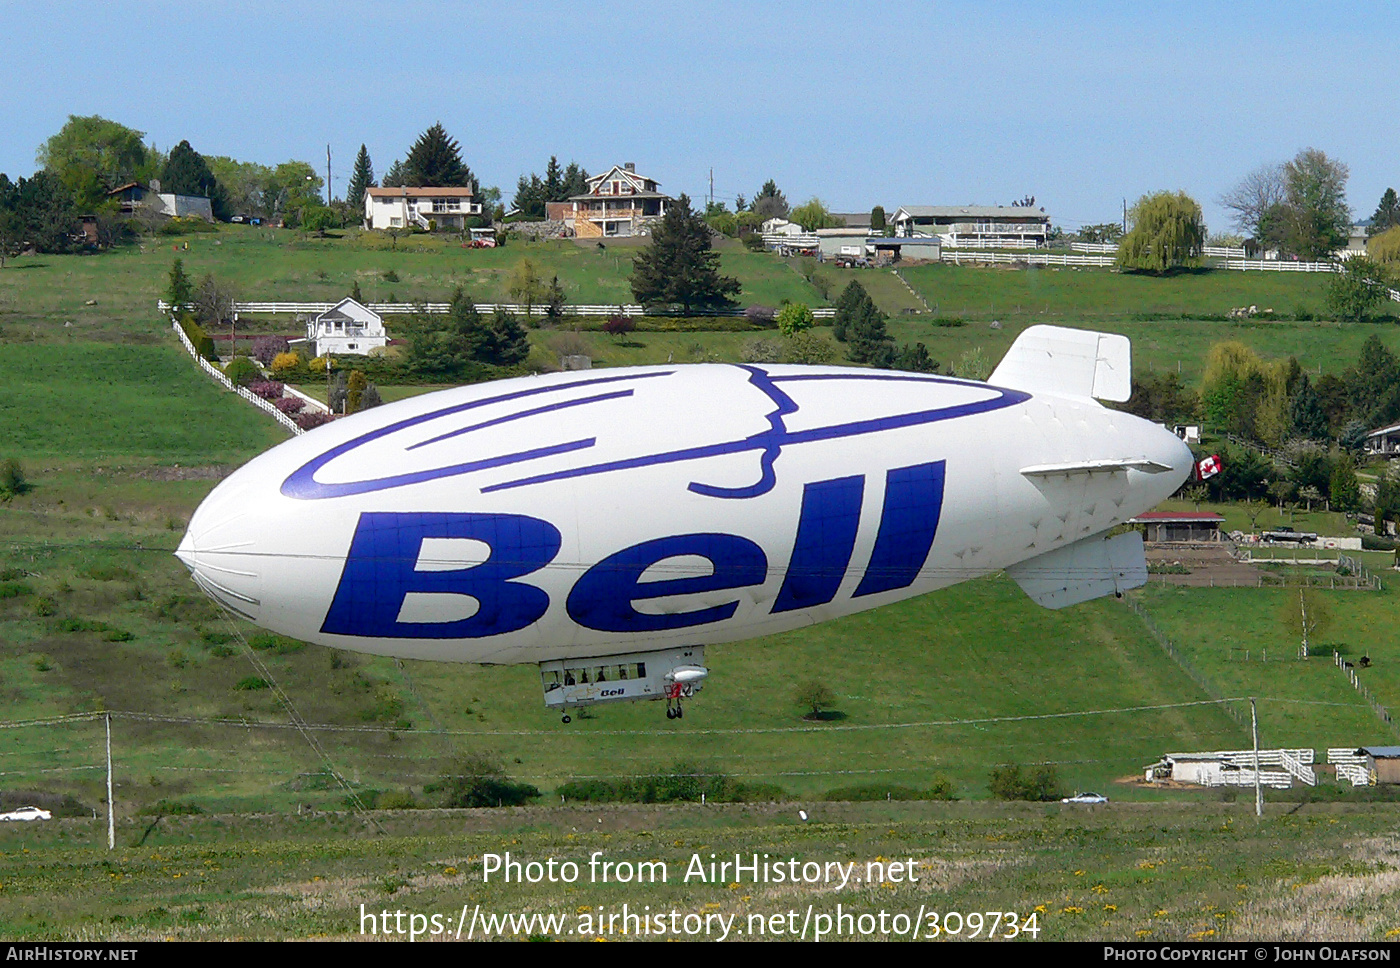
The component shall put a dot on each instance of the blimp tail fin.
(1087, 569)
(1068, 362)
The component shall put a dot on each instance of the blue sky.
(1079, 104)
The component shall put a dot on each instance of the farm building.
(975, 225)
(134, 198)
(444, 209)
(346, 328)
(1277, 768)
(618, 203)
(1383, 762)
(1179, 525)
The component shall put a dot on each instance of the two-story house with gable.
(618, 202)
(443, 209)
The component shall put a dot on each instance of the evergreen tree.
(361, 178)
(867, 339)
(1387, 214)
(1306, 415)
(530, 197)
(679, 268)
(769, 202)
(501, 340)
(394, 177)
(575, 182)
(436, 160)
(553, 180)
(877, 219)
(1343, 491)
(849, 305)
(187, 173)
(181, 290)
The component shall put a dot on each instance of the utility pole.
(712, 186)
(1125, 216)
(328, 176)
(111, 819)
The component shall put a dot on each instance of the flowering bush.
(267, 348)
(312, 419)
(267, 389)
(289, 405)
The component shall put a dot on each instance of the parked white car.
(1086, 798)
(27, 813)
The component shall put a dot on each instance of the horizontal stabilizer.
(1068, 362)
(1087, 569)
(1097, 466)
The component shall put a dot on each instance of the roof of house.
(1176, 517)
(425, 192)
(1384, 430)
(974, 211)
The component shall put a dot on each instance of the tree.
(1305, 615)
(877, 219)
(795, 318)
(1358, 289)
(1010, 782)
(180, 292)
(394, 177)
(436, 160)
(1387, 215)
(187, 173)
(293, 189)
(554, 300)
(1308, 420)
(525, 285)
(1318, 218)
(501, 340)
(679, 268)
(1343, 490)
(1168, 232)
(1385, 247)
(361, 179)
(813, 215)
(480, 780)
(815, 696)
(92, 155)
(213, 302)
(1257, 193)
(769, 202)
(1161, 398)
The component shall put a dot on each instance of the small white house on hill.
(346, 328)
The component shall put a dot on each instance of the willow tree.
(1168, 233)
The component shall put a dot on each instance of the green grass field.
(1304, 872)
(121, 436)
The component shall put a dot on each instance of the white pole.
(111, 819)
(1258, 789)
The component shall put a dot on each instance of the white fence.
(252, 398)
(779, 241)
(389, 309)
(958, 258)
(1351, 766)
(977, 242)
(1279, 265)
(1222, 252)
(1098, 248)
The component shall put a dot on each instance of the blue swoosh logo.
(769, 443)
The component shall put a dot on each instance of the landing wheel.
(680, 711)
(568, 718)
(670, 713)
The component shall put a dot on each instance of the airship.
(609, 524)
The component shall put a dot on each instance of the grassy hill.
(121, 437)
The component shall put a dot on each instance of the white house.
(425, 208)
(346, 328)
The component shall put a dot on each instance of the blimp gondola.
(610, 524)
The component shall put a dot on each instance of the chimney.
(631, 166)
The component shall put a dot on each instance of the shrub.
(242, 371)
(683, 782)
(252, 684)
(203, 345)
(762, 350)
(795, 318)
(285, 363)
(815, 696)
(311, 419)
(267, 389)
(12, 480)
(940, 789)
(268, 348)
(479, 780)
(1010, 782)
(289, 405)
(619, 325)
